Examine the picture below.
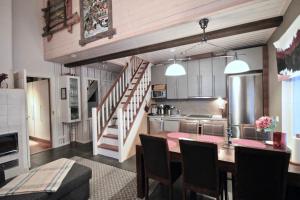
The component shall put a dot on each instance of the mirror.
(92, 96)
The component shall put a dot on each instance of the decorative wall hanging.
(288, 52)
(58, 16)
(96, 20)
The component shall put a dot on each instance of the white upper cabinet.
(219, 78)
(206, 76)
(177, 86)
(252, 56)
(193, 73)
(158, 74)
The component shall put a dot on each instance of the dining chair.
(260, 174)
(200, 168)
(248, 131)
(157, 163)
(213, 129)
(189, 126)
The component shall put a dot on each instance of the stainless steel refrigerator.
(245, 100)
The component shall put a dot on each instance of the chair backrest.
(200, 166)
(248, 131)
(260, 174)
(156, 156)
(213, 129)
(189, 126)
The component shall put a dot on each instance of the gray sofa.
(74, 187)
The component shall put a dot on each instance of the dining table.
(226, 160)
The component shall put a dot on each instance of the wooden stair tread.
(109, 147)
(111, 136)
(113, 126)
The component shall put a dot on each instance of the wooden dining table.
(226, 160)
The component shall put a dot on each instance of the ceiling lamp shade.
(236, 66)
(175, 69)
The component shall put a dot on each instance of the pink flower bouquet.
(266, 123)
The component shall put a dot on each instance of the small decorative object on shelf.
(96, 20)
(58, 16)
(3, 77)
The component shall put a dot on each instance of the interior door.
(38, 102)
(193, 75)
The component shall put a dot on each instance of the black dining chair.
(260, 174)
(213, 129)
(200, 168)
(157, 163)
(248, 131)
(189, 126)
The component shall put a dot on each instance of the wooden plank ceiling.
(241, 14)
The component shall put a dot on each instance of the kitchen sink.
(200, 116)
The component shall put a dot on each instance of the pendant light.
(236, 66)
(175, 69)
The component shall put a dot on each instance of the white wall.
(274, 85)
(6, 37)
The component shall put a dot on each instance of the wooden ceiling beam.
(226, 32)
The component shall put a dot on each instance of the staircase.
(117, 118)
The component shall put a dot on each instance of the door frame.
(50, 107)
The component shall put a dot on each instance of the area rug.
(108, 182)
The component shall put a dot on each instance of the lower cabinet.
(171, 125)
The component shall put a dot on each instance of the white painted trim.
(95, 137)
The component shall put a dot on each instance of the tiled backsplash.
(194, 106)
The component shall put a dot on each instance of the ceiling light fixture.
(175, 69)
(236, 66)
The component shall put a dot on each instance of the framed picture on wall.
(63, 93)
(96, 20)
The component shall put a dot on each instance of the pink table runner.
(249, 143)
(177, 135)
(210, 138)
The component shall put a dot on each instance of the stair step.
(109, 147)
(111, 136)
(113, 126)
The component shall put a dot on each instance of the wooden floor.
(38, 146)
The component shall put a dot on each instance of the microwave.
(159, 94)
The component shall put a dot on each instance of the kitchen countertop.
(174, 117)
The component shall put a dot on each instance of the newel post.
(95, 131)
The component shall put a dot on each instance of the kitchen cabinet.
(193, 72)
(171, 125)
(158, 74)
(177, 86)
(252, 56)
(219, 78)
(206, 77)
(200, 76)
(155, 125)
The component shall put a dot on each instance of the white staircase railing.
(129, 112)
(110, 102)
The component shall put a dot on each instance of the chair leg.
(183, 194)
(146, 188)
(225, 186)
(171, 192)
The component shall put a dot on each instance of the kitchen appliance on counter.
(160, 109)
(245, 100)
(159, 91)
(153, 109)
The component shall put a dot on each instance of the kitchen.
(203, 94)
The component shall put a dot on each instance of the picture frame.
(96, 20)
(63, 93)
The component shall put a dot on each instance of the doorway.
(39, 119)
